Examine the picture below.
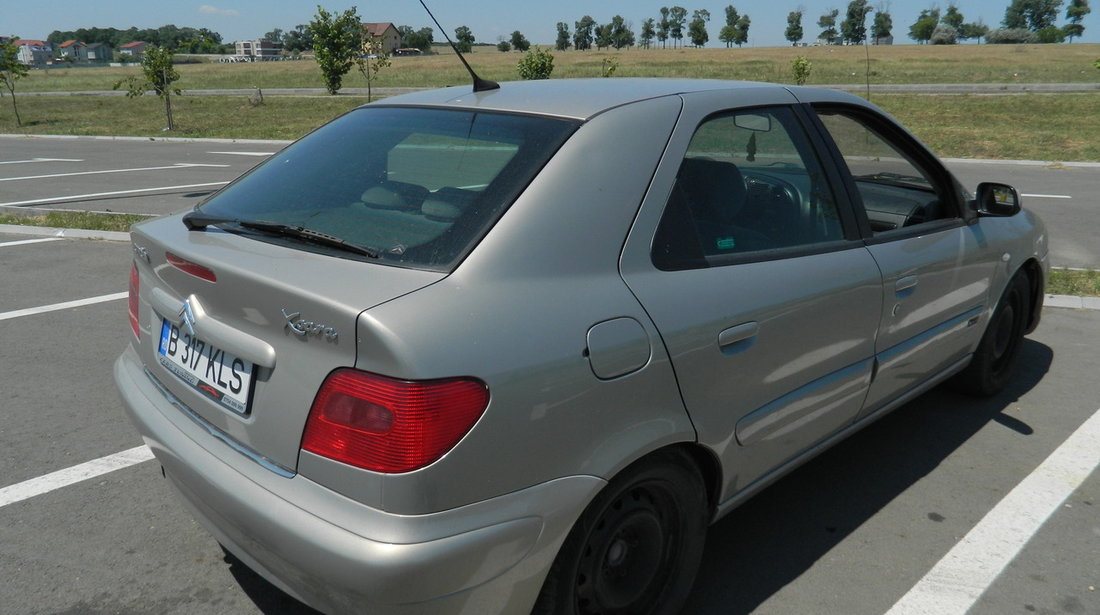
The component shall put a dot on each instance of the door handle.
(738, 338)
(904, 286)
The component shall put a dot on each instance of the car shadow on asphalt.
(779, 534)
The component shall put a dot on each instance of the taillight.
(135, 282)
(195, 269)
(388, 425)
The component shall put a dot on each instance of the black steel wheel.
(636, 548)
(993, 361)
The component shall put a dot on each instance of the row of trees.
(183, 40)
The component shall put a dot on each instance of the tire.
(995, 358)
(636, 548)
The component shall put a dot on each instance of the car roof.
(584, 98)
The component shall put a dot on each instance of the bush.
(1051, 35)
(800, 68)
(945, 35)
(1010, 36)
(504, 46)
(536, 64)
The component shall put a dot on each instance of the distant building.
(260, 49)
(135, 49)
(100, 52)
(391, 38)
(74, 51)
(34, 53)
(885, 40)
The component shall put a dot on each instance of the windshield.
(420, 186)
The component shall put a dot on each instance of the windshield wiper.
(196, 220)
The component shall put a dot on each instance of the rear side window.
(420, 186)
(749, 187)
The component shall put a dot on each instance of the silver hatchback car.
(514, 350)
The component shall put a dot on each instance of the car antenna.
(480, 85)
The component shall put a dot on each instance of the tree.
(583, 33)
(562, 43)
(1033, 15)
(464, 39)
(504, 46)
(952, 17)
(922, 29)
(741, 30)
(11, 70)
(649, 32)
(603, 36)
(976, 30)
(1075, 12)
(827, 23)
(336, 43)
(621, 34)
(794, 32)
(372, 58)
(159, 74)
(519, 41)
(663, 26)
(298, 40)
(854, 27)
(697, 30)
(882, 26)
(421, 39)
(677, 17)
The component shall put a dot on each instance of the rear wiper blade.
(197, 221)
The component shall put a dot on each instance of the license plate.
(213, 372)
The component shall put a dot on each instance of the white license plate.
(210, 370)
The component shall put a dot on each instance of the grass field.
(1057, 127)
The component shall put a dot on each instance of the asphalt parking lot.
(947, 500)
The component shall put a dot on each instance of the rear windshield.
(420, 186)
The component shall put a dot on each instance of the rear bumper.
(338, 555)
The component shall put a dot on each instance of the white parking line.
(178, 165)
(264, 154)
(1047, 196)
(61, 199)
(960, 578)
(23, 242)
(63, 478)
(62, 306)
(41, 160)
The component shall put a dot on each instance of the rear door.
(765, 297)
(936, 267)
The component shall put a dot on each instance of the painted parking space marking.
(62, 306)
(957, 581)
(1047, 196)
(69, 476)
(41, 160)
(23, 242)
(178, 165)
(263, 154)
(61, 199)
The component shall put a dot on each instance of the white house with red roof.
(74, 51)
(135, 49)
(34, 52)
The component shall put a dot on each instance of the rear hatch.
(250, 301)
(268, 323)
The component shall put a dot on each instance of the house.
(135, 49)
(100, 52)
(260, 49)
(34, 53)
(73, 51)
(390, 37)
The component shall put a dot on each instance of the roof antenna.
(480, 85)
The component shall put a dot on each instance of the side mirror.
(1000, 200)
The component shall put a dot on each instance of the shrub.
(800, 69)
(536, 64)
(1010, 36)
(945, 35)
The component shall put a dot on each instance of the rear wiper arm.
(198, 221)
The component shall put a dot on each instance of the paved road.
(852, 532)
(158, 177)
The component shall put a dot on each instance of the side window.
(749, 186)
(896, 190)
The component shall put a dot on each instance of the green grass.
(1074, 282)
(84, 220)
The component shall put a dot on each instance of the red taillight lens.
(387, 425)
(135, 282)
(195, 269)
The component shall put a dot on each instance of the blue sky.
(488, 19)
